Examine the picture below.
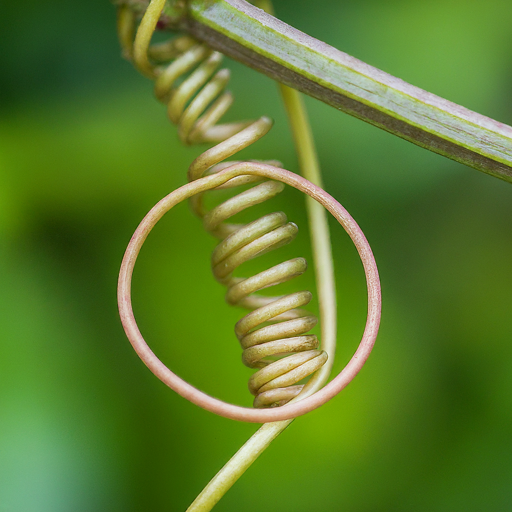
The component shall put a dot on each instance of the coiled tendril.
(274, 334)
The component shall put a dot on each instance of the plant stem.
(318, 228)
(237, 465)
(324, 272)
(255, 38)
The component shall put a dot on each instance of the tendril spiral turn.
(273, 334)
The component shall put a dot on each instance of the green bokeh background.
(85, 151)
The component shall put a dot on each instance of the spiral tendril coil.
(273, 334)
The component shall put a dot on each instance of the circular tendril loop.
(196, 396)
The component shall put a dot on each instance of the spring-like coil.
(274, 334)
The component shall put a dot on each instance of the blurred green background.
(85, 152)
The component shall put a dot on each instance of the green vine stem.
(324, 270)
(257, 39)
(326, 288)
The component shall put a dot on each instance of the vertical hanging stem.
(326, 288)
(318, 228)
(324, 272)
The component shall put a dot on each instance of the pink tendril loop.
(185, 389)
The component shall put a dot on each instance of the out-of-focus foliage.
(85, 151)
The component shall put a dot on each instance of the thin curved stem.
(319, 232)
(324, 272)
(144, 35)
(236, 466)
